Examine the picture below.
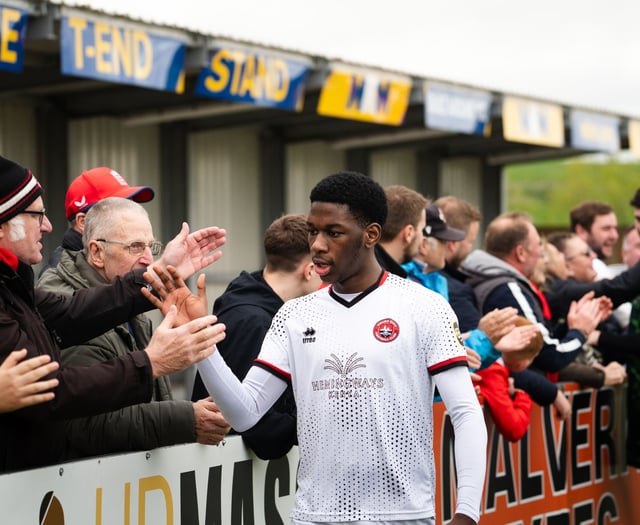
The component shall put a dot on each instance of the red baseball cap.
(96, 184)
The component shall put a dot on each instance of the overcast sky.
(579, 52)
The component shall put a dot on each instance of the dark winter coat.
(42, 322)
(138, 427)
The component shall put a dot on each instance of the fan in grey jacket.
(163, 421)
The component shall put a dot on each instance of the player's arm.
(242, 404)
(456, 390)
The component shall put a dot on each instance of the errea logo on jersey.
(309, 336)
(386, 330)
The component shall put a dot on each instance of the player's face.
(337, 245)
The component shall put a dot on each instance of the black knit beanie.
(18, 189)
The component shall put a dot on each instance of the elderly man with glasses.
(118, 238)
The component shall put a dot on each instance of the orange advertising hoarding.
(561, 473)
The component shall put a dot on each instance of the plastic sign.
(453, 108)
(122, 54)
(591, 131)
(255, 78)
(532, 122)
(369, 96)
(13, 28)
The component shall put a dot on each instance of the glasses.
(138, 247)
(587, 253)
(40, 214)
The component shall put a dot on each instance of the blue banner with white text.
(121, 53)
(592, 131)
(452, 108)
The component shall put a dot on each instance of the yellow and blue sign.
(370, 97)
(254, 78)
(591, 131)
(453, 108)
(123, 54)
(532, 122)
(13, 29)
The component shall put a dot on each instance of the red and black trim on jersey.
(449, 363)
(379, 282)
(278, 372)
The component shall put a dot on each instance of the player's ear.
(372, 234)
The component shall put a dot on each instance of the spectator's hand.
(171, 289)
(473, 359)
(190, 253)
(211, 426)
(476, 379)
(518, 338)
(20, 382)
(562, 406)
(498, 323)
(614, 373)
(173, 348)
(606, 306)
(584, 314)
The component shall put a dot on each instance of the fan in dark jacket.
(247, 307)
(40, 321)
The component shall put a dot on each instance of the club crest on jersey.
(386, 330)
(308, 336)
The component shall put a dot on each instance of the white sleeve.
(470, 431)
(242, 404)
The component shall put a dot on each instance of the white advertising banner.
(187, 484)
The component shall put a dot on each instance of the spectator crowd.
(84, 373)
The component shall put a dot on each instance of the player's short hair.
(364, 197)
(286, 242)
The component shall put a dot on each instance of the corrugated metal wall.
(131, 151)
(306, 164)
(17, 132)
(394, 166)
(462, 177)
(223, 191)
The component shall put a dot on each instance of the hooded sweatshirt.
(246, 308)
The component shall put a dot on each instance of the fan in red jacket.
(510, 407)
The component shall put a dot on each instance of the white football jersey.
(361, 374)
